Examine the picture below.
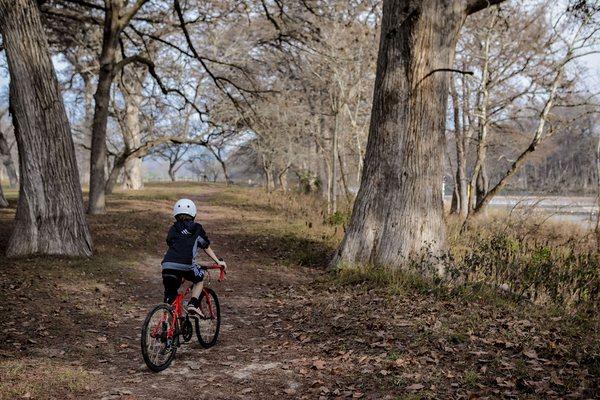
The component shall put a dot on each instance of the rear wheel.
(207, 328)
(158, 349)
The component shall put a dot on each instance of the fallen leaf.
(530, 354)
(415, 386)
(319, 364)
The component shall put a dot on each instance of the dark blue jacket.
(184, 239)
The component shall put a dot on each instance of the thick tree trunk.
(7, 161)
(102, 98)
(50, 217)
(398, 213)
(132, 177)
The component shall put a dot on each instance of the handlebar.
(219, 267)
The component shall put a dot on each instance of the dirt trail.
(254, 355)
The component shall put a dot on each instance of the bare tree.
(50, 217)
(116, 18)
(204, 167)
(398, 212)
(574, 46)
(175, 155)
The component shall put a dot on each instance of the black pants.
(173, 278)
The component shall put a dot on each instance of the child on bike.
(184, 239)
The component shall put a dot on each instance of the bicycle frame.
(177, 304)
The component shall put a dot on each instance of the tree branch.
(130, 13)
(474, 6)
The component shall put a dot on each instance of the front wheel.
(207, 328)
(158, 339)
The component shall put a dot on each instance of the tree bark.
(6, 159)
(113, 178)
(172, 172)
(228, 180)
(108, 59)
(132, 177)
(460, 195)
(597, 227)
(282, 179)
(3, 201)
(479, 179)
(50, 217)
(334, 163)
(398, 213)
(343, 178)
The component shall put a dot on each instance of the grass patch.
(471, 379)
(394, 280)
(42, 379)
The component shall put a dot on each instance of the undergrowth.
(521, 256)
(533, 259)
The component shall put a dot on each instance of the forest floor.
(290, 329)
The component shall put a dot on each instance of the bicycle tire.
(212, 321)
(149, 359)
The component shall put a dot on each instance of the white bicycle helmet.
(184, 206)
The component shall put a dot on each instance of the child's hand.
(222, 264)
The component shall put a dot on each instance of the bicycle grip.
(222, 274)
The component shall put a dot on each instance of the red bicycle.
(166, 323)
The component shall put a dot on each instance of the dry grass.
(549, 263)
(50, 380)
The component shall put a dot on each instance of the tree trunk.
(268, 171)
(50, 217)
(172, 174)
(398, 213)
(597, 227)
(228, 180)
(132, 177)
(334, 162)
(283, 183)
(343, 179)
(102, 98)
(482, 185)
(459, 197)
(3, 201)
(479, 180)
(282, 178)
(113, 178)
(6, 159)
(216, 152)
